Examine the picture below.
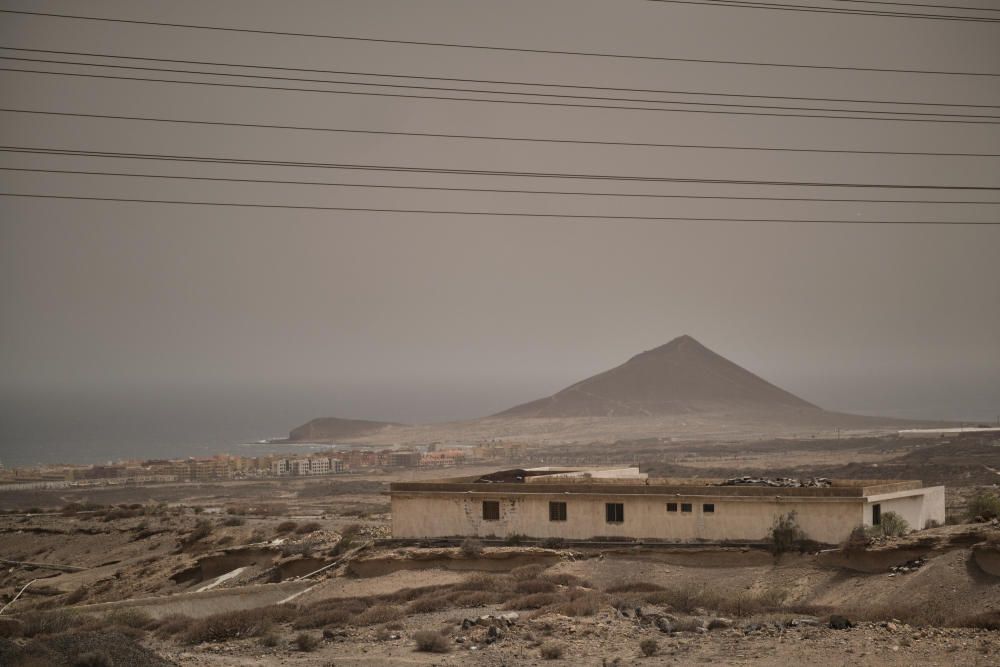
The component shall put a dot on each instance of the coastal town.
(332, 460)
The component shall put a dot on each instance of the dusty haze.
(183, 326)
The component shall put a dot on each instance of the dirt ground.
(140, 558)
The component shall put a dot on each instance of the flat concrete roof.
(535, 482)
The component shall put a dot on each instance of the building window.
(614, 512)
(671, 507)
(685, 507)
(708, 508)
(557, 511)
(876, 514)
(491, 510)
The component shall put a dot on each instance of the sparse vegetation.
(551, 650)
(309, 527)
(232, 521)
(285, 527)
(984, 506)
(306, 642)
(471, 547)
(429, 641)
(236, 624)
(786, 535)
(892, 525)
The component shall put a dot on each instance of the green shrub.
(892, 525)
(985, 506)
(429, 641)
(785, 534)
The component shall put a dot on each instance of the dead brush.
(526, 572)
(533, 601)
(237, 624)
(496, 583)
(634, 587)
(379, 614)
(528, 586)
(563, 579)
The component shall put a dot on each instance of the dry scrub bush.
(48, 622)
(172, 625)
(987, 620)
(985, 506)
(309, 527)
(429, 604)
(128, 617)
(551, 650)
(471, 547)
(306, 642)
(534, 586)
(270, 639)
(93, 659)
(785, 534)
(533, 601)
(634, 587)
(562, 579)
(497, 583)
(527, 572)
(474, 598)
(379, 614)
(891, 525)
(649, 647)
(285, 527)
(321, 619)
(233, 521)
(236, 624)
(429, 641)
(583, 604)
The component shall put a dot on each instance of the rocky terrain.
(301, 572)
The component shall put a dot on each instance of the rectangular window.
(491, 510)
(685, 507)
(876, 514)
(614, 512)
(671, 507)
(557, 511)
(708, 508)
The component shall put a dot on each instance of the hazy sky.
(421, 317)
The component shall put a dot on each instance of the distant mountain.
(680, 377)
(334, 428)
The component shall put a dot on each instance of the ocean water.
(88, 427)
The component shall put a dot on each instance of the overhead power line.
(482, 47)
(505, 214)
(775, 111)
(477, 172)
(816, 9)
(272, 181)
(481, 137)
(919, 4)
(495, 82)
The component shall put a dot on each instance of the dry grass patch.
(236, 624)
(431, 642)
(382, 613)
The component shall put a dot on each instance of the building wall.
(441, 514)
(917, 507)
